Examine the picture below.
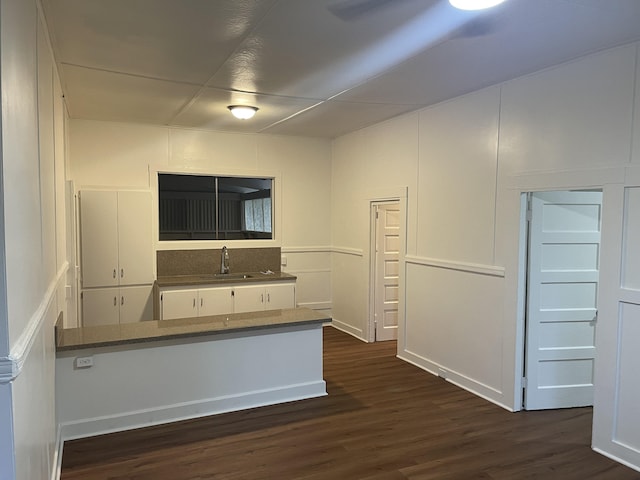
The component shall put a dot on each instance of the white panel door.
(100, 306)
(99, 238)
(564, 244)
(249, 298)
(134, 238)
(179, 304)
(136, 304)
(215, 301)
(280, 296)
(387, 269)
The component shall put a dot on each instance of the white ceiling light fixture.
(243, 112)
(475, 4)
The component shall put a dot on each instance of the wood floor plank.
(383, 419)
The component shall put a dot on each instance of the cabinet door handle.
(201, 301)
(268, 298)
(114, 273)
(194, 303)
(122, 300)
(115, 301)
(262, 298)
(122, 273)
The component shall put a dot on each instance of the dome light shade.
(243, 112)
(475, 4)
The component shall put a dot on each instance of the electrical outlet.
(283, 260)
(84, 362)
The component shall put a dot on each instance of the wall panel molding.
(566, 179)
(476, 268)
(11, 365)
(348, 251)
(316, 305)
(314, 249)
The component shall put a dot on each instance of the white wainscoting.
(349, 311)
(312, 267)
(616, 413)
(454, 313)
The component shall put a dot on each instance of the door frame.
(373, 273)
(399, 195)
(523, 283)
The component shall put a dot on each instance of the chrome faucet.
(224, 261)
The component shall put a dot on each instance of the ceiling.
(317, 68)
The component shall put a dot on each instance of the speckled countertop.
(68, 339)
(213, 279)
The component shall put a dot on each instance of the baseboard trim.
(477, 388)
(185, 411)
(616, 458)
(56, 471)
(343, 327)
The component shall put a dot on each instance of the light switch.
(283, 260)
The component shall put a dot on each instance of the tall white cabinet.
(116, 257)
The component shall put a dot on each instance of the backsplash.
(199, 262)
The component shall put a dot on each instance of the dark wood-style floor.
(383, 420)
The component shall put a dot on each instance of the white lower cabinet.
(215, 301)
(189, 302)
(181, 303)
(112, 306)
(252, 298)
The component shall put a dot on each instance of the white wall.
(119, 155)
(465, 163)
(34, 268)
(369, 164)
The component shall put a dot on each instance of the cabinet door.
(215, 301)
(280, 296)
(136, 304)
(179, 304)
(99, 238)
(248, 298)
(135, 259)
(100, 306)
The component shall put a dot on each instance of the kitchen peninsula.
(118, 377)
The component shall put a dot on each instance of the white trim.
(616, 458)
(306, 249)
(628, 295)
(346, 328)
(566, 179)
(56, 470)
(477, 388)
(632, 176)
(348, 251)
(188, 410)
(491, 270)
(316, 305)
(310, 270)
(11, 365)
